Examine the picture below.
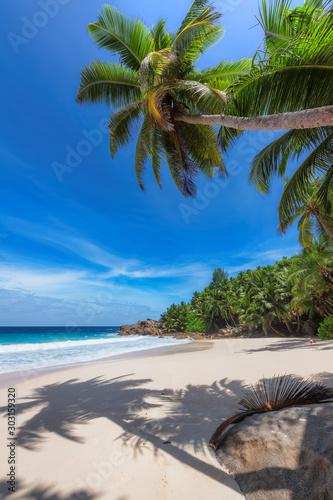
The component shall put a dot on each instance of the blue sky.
(87, 247)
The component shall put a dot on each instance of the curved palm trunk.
(272, 328)
(307, 118)
(287, 325)
(216, 438)
(298, 322)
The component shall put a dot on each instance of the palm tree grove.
(190, 118)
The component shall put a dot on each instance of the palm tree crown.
(155, 79)
(294, 73)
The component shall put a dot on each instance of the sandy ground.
(138, 428)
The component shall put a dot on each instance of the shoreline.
(32, 373)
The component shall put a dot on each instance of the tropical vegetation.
(190, 117)
(325, 330)
(275, 299)
(156, 78)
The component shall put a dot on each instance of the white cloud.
(97, 284)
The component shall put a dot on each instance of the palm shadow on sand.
(189, 416)
(188, 419)
(293, 343)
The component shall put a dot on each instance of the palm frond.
(227, 138)
(162, 39)
(109, 84)
(306, 229)
(156, 66)
(274, 394)
(202, 147)
(123, 36)
(224, 73)
(305, 65)
(158, 107)
(204, 98)
(197, 32)
(120, 125)
(325, 190)
(197, 7)
(283, 391)
(143, 147)
(319, 161)
(273, 159)
(157, 155)
(182, 168)
(281, 25)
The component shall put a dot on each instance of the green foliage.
(295, 55)
(154, 78)
(194, 324)
(272, 299)
(325, 330)
(176, 317)
(220, 276)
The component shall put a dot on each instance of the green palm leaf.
(273, 159)
(173, 159)
(201, 97)
(197, 32)
(157, 155)
(109, 84)
(320, 161)
(225, 73)
(121, 122)
(123, 36)
(143, 146)
(202, 147)
(162, 39)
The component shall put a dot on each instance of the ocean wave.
(55, 354)
(65, 344)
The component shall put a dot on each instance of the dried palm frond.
(274, 394)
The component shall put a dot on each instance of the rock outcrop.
(284, 455)
(148, 327)
(153, 328)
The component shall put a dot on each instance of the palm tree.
(176, 317)
(299, 63)
(154, 80)
(156, 83)
(312, 281)
(314, 220)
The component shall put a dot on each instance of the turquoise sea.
(23, 348)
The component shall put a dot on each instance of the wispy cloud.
(114, 265)
(96, 284)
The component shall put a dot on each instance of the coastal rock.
(285, 455)
(148, 327)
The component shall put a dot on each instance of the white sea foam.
(15, 357)
(65, 344)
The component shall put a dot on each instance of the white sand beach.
(137, 428)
